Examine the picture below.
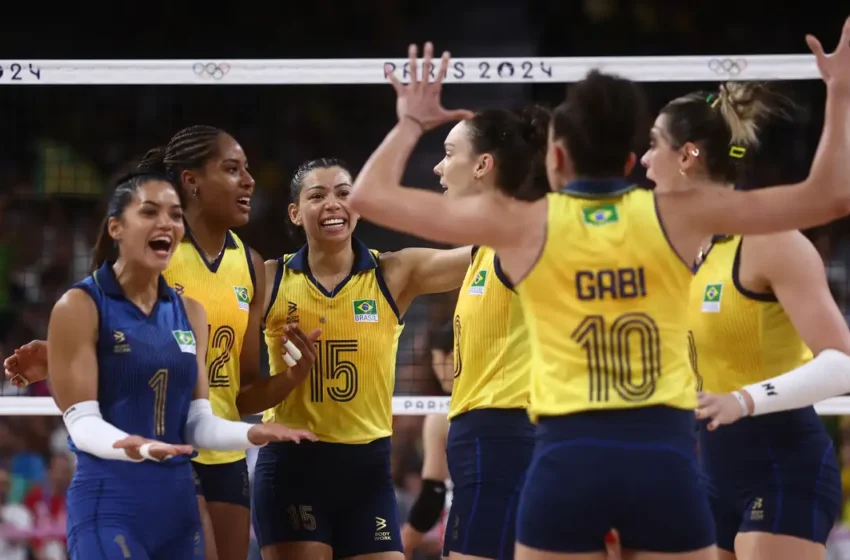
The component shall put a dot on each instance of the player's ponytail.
(746, 106)
(536, 120)
(725, 125)
(517, 143)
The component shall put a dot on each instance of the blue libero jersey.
(146, 368)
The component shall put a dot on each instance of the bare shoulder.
(782, 247)
(75, 301)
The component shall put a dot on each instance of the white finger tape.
(290, 361)
(292, 349)
(145, 452)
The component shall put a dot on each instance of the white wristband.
(745, 410)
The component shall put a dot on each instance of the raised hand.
(28, 364)
(420, 100)
(158, 450)
(261, 434)
(834, 68)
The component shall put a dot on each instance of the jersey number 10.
(332, 365)
(612, 350)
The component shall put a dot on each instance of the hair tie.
(713, 99)
(737, 152)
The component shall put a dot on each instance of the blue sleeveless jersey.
(147, 371)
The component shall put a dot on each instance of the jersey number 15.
(333, 365)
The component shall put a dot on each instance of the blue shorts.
(776, 473)
(488, 452)
(335, 493)
(150, 515)
(224, 482)
(634, 470)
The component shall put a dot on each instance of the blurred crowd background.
(62, 146)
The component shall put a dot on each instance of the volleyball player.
(214, 266)
(125, 373)
(758, 303)
(611, 384)
(491, 438)
(430, 504)
(343, 503)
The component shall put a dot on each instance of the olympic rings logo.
(727, 66)
(211, 70)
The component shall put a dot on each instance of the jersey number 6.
(331, 365)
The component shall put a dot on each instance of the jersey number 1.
(331, 365)
(159, 384)
(632, 338)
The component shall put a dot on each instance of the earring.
(695, 152)
(195, 192)
(682, 172)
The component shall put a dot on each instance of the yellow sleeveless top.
(605, 305)
(348, 396)
(737, 337)
(225, 288)
(491, 354)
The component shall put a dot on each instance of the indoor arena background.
(61, 146)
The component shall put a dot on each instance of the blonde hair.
(745, 106)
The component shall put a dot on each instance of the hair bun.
(153, 163)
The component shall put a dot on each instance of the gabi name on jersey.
(620, 283)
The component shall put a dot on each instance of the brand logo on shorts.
(242, 297)
(757, 510)
(601, 215)
(365, 311)
(711, 297)
(478, 283)
(185, 340)
(380, 534)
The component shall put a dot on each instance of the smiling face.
(150, 226)
(322, 207)
(223, 186)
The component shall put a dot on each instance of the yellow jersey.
(348, 396)
(491, 354)
(225, 288)
(737, 337)
(605, 305)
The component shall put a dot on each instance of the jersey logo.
(380, 533)
(365, 311)
(601, 215)
(478, 283)
(711, 297)
(242, 297)
(121, 346)
(185, 340)
(291, 312)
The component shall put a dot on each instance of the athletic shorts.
(147, 515)
(634, 470)
(334, 493)
(224, 482)
(775, 474)
(488, 451)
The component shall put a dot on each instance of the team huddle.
(594, 318)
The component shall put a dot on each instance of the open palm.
(834, 68)
(420, 100)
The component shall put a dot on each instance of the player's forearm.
(830, 172)
(205, 430)
(263, 394)
(92, 434)
(826, 376)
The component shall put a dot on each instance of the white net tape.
(488, 70)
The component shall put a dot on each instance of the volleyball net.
(71, 126)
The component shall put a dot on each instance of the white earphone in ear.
(695, 152)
